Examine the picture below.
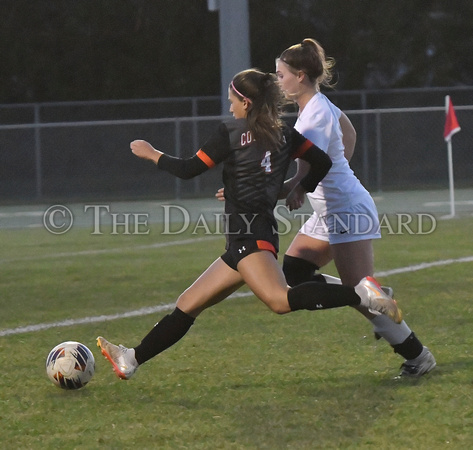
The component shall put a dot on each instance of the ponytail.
(309, 56)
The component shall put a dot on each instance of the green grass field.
(243, 377)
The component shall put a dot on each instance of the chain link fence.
(80, 150)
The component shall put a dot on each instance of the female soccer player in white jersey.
(345, 219)
(255, 150)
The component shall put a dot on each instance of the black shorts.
(237, 250)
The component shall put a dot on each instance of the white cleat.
(419, 366)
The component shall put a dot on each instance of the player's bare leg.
(262, 273)
(214, 285)
(313, 250)
(355, 261)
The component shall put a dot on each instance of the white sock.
(394, 333)
(331, 280)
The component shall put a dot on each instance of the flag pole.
(450, 166)
(450, 178)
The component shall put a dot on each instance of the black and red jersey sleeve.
(182, 168)
(217, 147)
(320, 162)
(214, 151)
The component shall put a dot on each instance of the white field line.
(108, 250)
(422, 266)
(99, 319)
(460, 203)
(169, 306)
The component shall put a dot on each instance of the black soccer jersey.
(252, 175)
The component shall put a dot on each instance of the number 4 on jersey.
(266, 162)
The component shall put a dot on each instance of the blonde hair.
(309, 57)
(265, 99)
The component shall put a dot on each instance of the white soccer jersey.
(319, 122)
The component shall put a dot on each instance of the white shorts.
(359, 222)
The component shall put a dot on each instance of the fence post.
(177, 137)
(379, 151)
(37, 152)
(195, 141)
(364, 141)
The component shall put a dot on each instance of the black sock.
(297, 270)
(409, 349)
(314, 295)
(166, 332)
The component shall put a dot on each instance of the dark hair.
(309, 56)
(265, 97)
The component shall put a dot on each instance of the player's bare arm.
(295, 198)
(292, 191)
(349, 136)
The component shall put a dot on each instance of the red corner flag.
(451, 122)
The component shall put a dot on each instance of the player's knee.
(280, 309)
(189, 304)
(183, 298)
(277, 303)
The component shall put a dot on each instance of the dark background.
(63, 50)
(68, 64)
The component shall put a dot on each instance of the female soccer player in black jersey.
(255, 150)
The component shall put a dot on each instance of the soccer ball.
(70, 365)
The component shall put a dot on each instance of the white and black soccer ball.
(70, 365)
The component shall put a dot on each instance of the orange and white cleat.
(374, 298)
(122, 358)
